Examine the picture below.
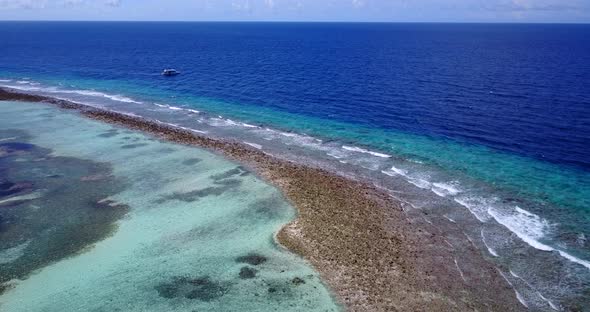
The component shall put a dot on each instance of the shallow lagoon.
(95, 217)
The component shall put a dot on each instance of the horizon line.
(296, 21)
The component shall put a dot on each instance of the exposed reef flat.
(372, 255)
(89, 224)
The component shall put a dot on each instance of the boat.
(170, 72)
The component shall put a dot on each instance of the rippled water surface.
(94, 218)
(485, 127)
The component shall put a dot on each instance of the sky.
(538, 11)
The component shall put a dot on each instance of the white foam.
(22, 88)
(470, 239)
(421, 183)
(32, 86)
(287, 134)
(118, 98)
(12, 254)
(518, 296)
(248, 125)
(176, 108)
(490, 249)
(449, 243)
(5, 80)
(459, 269)
(221, 122)
(129, 114)
(231, 122)
(551, 304)
(581, 240)
(336, 155)
(574, 259)
(54, 90)
(189, 129)
(257, 146)
(450, 219)
(364, 151)
(395, 171)
(7, 139)
(217, 122)
(386, 172)
(121, 99)
(372, 167)
(530, 228)
(30, 196)
(527, 226)
(521, 299)
(505, 278)
(478, 206)
(445, 189)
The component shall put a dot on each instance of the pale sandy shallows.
(367, 251)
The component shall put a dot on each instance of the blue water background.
(506, 104)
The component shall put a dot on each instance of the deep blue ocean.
(494, 117)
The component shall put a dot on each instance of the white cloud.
(23, 4)
(358, 3)
(112, 3)
(71, 3)
(42, 4)
(537, 5)
(241, 5)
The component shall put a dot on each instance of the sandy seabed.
(365, 247)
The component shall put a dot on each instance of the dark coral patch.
(281, 289)
(10, 188)
(167, 291)
(94, 177)
(47, 115)
(252, 258)
(166, 150)
(229, 173)
(195, 195)
(68, 220)
(222, 183)
(4, 288)
(130, 146)
(247, 273)
(269, 208)
(202, 288)
(297, 281)
(192, 161)
(230, 183)
(109, 134)
(15, 148)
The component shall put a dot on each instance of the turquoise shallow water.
(166, 227)
(541, 182)
(479, 126)
(529, 216)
